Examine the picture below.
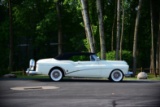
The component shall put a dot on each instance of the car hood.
(114, 62)
(117, 62)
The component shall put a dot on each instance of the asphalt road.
(79, 93)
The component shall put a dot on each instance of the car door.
(87, 69)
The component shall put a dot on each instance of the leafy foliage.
(35, 30)
(126, 55)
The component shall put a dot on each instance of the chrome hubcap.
(56, 74)
(116, 75)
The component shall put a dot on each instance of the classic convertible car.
(79, 65)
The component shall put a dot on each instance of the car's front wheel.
(56, 74)
(116, 76)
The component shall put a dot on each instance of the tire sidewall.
(56, 71)
(112, 78)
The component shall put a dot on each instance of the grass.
(32, 77)
(150, 77)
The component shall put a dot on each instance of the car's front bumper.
(31, 72)
(128, 74)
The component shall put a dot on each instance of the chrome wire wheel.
(116, 76)
(56, 75)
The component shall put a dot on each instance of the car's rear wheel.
(116, 76)
(56, 74)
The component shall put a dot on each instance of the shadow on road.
(100, 81)
(81, 80)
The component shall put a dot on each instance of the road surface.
(78, 93)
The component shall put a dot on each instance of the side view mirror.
(31, 64)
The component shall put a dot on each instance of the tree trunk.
(101, 29)
(113, 26)
(58, 7)
(118, 30)
(157, 57)
(135, 37)
(159, 45)
(10, 67)
(122, 31)
(85, 15)
(152, 69)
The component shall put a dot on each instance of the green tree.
(118, 30)
(11, 50)
(36, 29)
(87, 24)
(58, 7)
(135, 37)
(101, 29)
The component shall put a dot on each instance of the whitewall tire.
(56, 75)
(116, 76)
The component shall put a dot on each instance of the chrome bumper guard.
(129, 73)
(31, 72)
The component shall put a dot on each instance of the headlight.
(31, 64)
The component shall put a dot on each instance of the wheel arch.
(57, 67)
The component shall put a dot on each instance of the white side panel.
(85, 69)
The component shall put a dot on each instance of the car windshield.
(94, 58)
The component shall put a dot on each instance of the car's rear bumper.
(31, 72)
(128, 74)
